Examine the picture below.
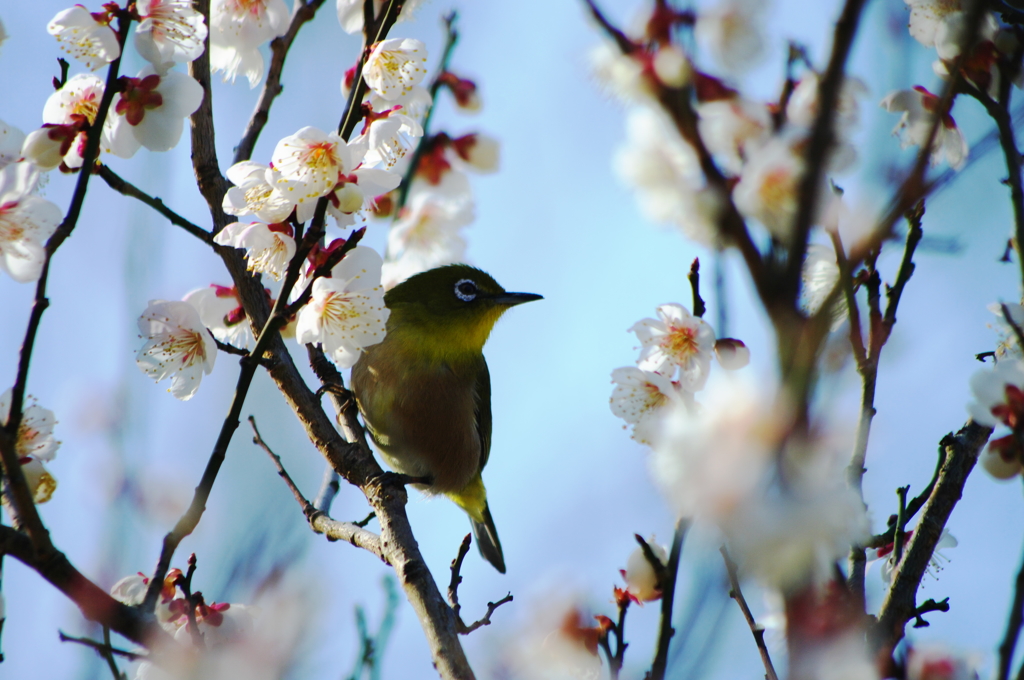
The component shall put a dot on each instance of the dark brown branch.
(899, 604)
(694, 278)
(304, 11)
(320, 522)
(668, 591)
(1013, 626)
(94, 602)
(120, 185)
(453, 593)
(756, 630)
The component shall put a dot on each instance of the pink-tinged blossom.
(11, 141)
(479, 152)
(665, 173)
(732, 354)
(639, 574)
(178, 346)
(934, 661)
(731, 30)
(89, 41)
(936, 563)
(65, 114)
(170, 31)
(255, 194)
(358, 190)
(26, 222)
(388, 139)
(150, 111)
(268, 247)
(918, 109)
(676, 339)
(999, 400)
(346, 312)
(395, 66)
(221, 312)
(237, 30)
(307, 165)
(642, 399)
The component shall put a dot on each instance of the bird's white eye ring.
(465, 290)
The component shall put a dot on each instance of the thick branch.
(900, 602)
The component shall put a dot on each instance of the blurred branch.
(94, 602)
(120, 185)
(899, 604)
(451, 38)
(102, 648)
(350, 532)
(453, 593)
(668, 591)
(756, 630)
(1013, 626)
(302, 12)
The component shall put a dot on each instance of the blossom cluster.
(34, 445)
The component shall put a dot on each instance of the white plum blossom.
(819, 276)
(941, 24)
(731, 30)
(221, 311)
(640, 576)
(307, 165)
(254, 194)
(732, 354)
(731, 127)
(178, 346)
(170, 31)
(346, 312)
(918, 108)
(665, 172)
(478, 152)
(936, 562)
(350, 13)
(11, 141)
(74, 104)
(151, 111)
(395, 66)
(642, 399)
(35, 444)
(389, 139)
(413, 103)
(802, 108)
(995, 390)
(676, 339)
(237, 30)
(358, 191)
(84, 38)
(269, 247)
(26, 222)
(621, 75)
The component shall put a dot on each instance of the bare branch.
(694, 277)
(120, 185)
(668, 591)
(756, 630)
(453, 593)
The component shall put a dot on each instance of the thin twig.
(120, 185)
(100, 647)
(756, 630)
(453, 593)
(694, 276)
(320, 522)
(1013, 626)
(668, 591)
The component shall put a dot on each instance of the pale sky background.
(567, 486)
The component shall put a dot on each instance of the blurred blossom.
(346, 312)
(768, 188)
(559, 643)
(221, 311)
(177, 346)
(643, 400)
(936, 563)
(731, 30)
(1009, 344)
(819, 276)
(676, 339)
(620, 74)
(665, 172)
(941, 24)
(169, 32)
(350, 12)
(89, 41)
(732, 354)
(731, 128)
(802, 109)
(918, 108)
(640, 576)
(935, 661)
(238, 28)
(11, 141)
(427, 235)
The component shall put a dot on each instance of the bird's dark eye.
(465, 290)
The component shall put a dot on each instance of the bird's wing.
(482, 392)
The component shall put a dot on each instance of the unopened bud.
(731, 353)
(998, 466)
(42, 149)
(672, 67)
(641, 578)
(479, 151)
(350, 199)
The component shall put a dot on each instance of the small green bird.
(425, 392)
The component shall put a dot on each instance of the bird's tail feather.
(487, 540)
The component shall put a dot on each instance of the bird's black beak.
(511, 299)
